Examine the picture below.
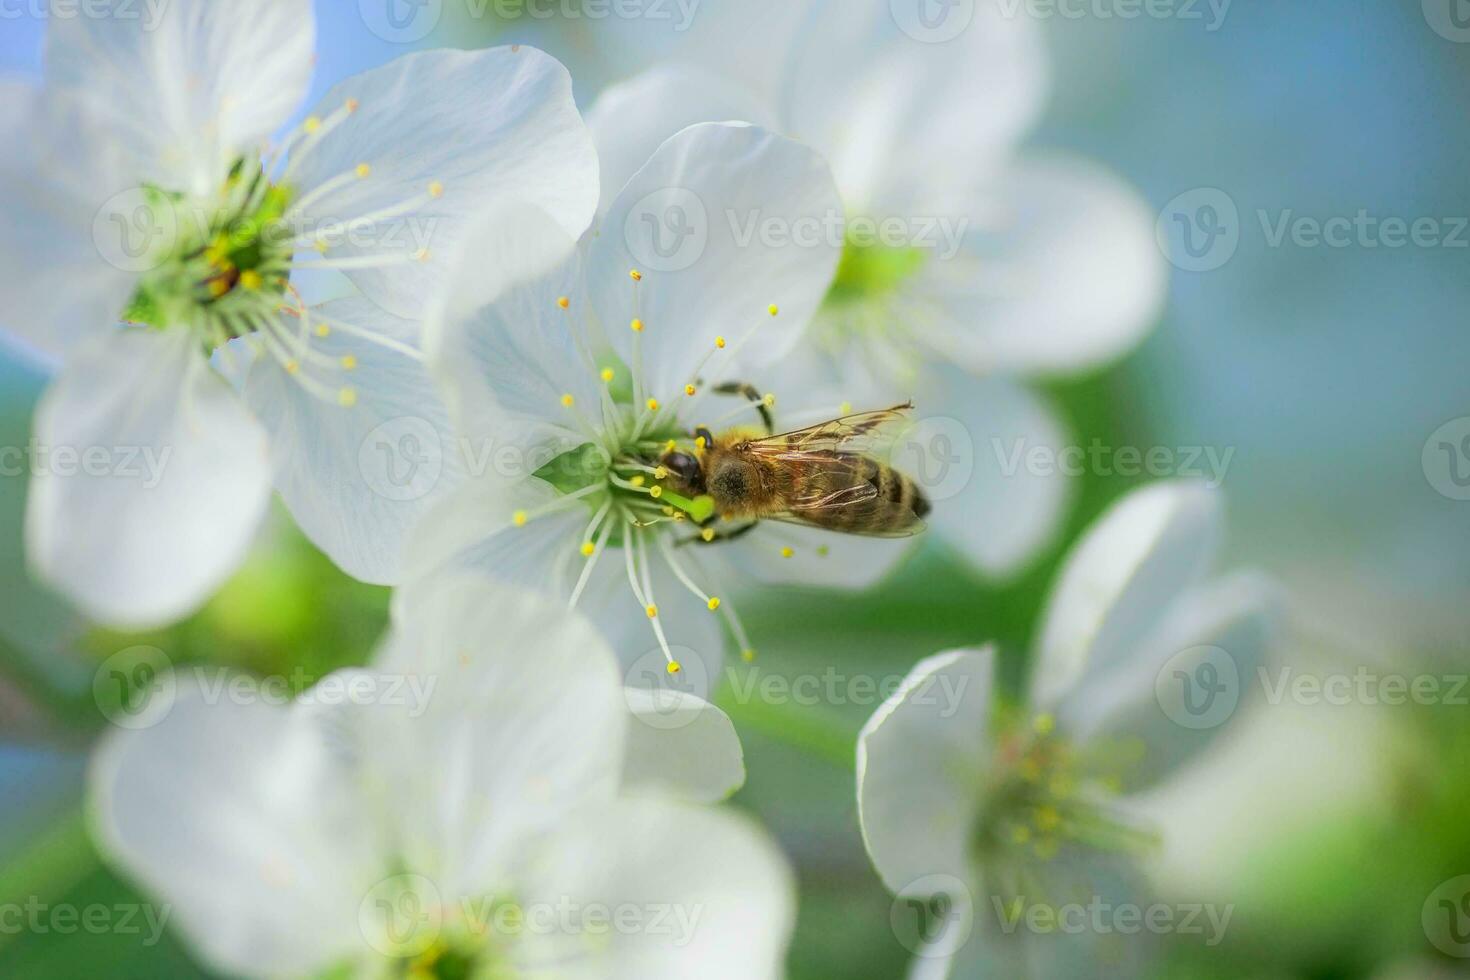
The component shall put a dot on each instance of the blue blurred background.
(1325, 369)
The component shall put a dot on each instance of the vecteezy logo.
(133, 232)
(135, 688)
(938, 454)
(1450, 19)
(401, 21)
(1446, 917)
(932, 21)
(401, 459)
(1198, 687)
(667, 230)
(657, 697)
(1199, 230)
(1446, 459)
(401, 916)
(933, 916)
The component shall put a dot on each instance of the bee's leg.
(715, 537)
(751, 392)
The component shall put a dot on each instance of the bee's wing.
(859, 433)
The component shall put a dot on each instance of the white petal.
(58, 178)
(906, 110)
(817, 558)
(631, 119)
(1119, 581)
(1226, 624)
(239, 817)
(681, 745)
(501, 345)
(708, 893)
(746, 43)
(724, 221)
(189, 85)
(921, 767)
(694, 633)
(1058, 272)
(486, 126)
(473, 528)
(167, 480)
(968, 452)
(358, 479)
(525, 722)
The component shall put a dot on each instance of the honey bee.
(821, 476)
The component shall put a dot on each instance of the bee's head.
(685, 471)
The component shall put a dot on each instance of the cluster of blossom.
(165, 251)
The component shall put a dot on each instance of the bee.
(821, 476)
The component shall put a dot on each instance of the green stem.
(49, 866)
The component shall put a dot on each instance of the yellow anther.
(520, 517)
(637, 480)
(588, 548)
(313, 124)
(568, 400)
(773, 309)
(674, 667)
(677, 515)
(636, 325)
(218, 287)
(422, 255)
(660, 473)
(699, 442)
(668, 511)
(292, 366)
(714, 603)
(1044, 723)
(769, 401)
(363, 171)
(250, 279)
(607, 374)
(787, 552)
(347, 397)
(352, 105)
(322, 330)
(655, 492)
(690, 389)
(670, 446)
(436, 190)
(708, 534)
(635, 275)
(652, 404)
(652, 611)
(747, 655)
(720, 342)
(563, 301)
(349, 362)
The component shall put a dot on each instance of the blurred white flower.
(140, 187)
(969, 264)
(1139, 664)
(477, 831)
(576, 449)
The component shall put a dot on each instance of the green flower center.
(1046, 794)
(867, 271)
(218, 265)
